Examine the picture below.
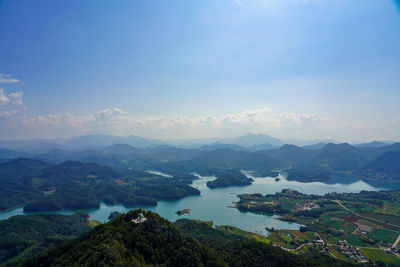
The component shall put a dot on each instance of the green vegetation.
(375, 163)
(114, 215)
(76, 185)
(15, 185)
(24, 236)
(158, 242)
(305, 173)
(240, 232)
(384, 235)
(290, 239)
(241, 248)
(229, 178)
(221, 160)
(123, 242)
(168, 191)
(93, 223)
(381, 255)
(334, 217)
(386, 166)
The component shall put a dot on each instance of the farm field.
(342, 225)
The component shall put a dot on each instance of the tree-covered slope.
(388, 162)
(291, 153)
(386, 166)
(238, 251)
(24, 236)
(229, 178)
(123, 242)
(340, 157)
(156, 241)
(21, 171)
(77, 185)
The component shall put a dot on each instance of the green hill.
(292, 153)
(340, 157)
(77, 185)
(122, 242)
(212, 162)
(21, 171)
(387, 166)
(24, 236)
(156, 241)
(229, 178)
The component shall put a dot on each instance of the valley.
(234, 189)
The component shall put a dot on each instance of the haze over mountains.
(249, 141)
(256, 152)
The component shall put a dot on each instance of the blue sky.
(306, 69)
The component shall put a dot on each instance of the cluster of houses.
(389, 248)
(139, 219)
(306, 205)
(351, 252)
(384, 245)
(395, 249)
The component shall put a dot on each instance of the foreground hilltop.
(153, 240)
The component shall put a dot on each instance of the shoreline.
(14, 207)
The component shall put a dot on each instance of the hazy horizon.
(207, 140)
(302, 69)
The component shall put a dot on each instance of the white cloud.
(6, 78)
(117, 121)
(13, 98)
(304, 121)
(264, 120)
(108, 114)
(12, 114)
(3, 98)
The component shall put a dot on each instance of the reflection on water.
(213, 204)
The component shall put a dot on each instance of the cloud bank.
(6, 78)
(14, 98)
(17, 122)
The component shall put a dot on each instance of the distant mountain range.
(249, 141)
(256, 152)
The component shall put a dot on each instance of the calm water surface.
(213, 204)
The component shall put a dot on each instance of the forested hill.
(387, 165)
(24, 236)
(73, 185)
(25, 180)
(122, 242)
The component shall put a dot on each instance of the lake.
(213, 204)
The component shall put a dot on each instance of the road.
(396, 242)
(323, 242)
(355, 231)
(302, 245)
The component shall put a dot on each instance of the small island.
(230, 178)
(183, 212)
